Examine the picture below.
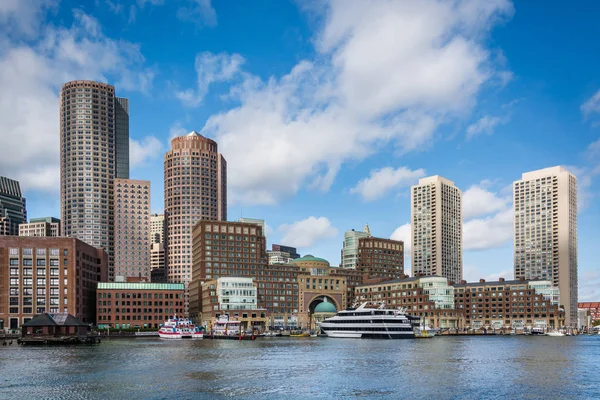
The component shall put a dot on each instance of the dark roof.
(63, 319)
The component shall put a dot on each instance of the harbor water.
(473, 367)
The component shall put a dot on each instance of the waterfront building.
(545, 232)
(221, 249)
(13, 210)
(429, 297)
(47, 226)
(380, 259)
(235, 298)
(518, 304)
(94, 150)
(593, 307)
(195, 182)
(57, 325)
(350, 248)
(122, 305)
(132, 228)
(292, 251)
(48, 274)
(436, 228)
(317, 284)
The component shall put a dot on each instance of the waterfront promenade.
(498, 367)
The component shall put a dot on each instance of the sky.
(326, 111)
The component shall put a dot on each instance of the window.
(14, 262)
(41, 272)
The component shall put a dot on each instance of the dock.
(58, 340)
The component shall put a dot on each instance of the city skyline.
(329, 172)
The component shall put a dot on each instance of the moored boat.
(374, 323)
(180, 328)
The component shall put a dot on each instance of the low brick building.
(48, 275)
(122, 305)
(592, 307)
(516, 304)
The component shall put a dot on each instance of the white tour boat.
(180, 328)
(224, 327)
(376, 323)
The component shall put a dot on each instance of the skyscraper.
(436, 228)
(157, 242)
(132, 228)
(12, 207)
(545, 232)
(94, 136)
(195, 189)
(350, 249)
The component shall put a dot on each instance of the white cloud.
(141, 151)
(210, 68)
(477, 201)
(23, 17)
(429, 66)
(485, 125)
(589, 286)
(307, 232)
(592, 105)
(383, 180)
(403, 233)
(177, 130)
(489, 232)
(200, 12)
(30, 78)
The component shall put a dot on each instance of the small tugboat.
(180, 328)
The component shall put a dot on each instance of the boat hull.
(180, 336)
(369, 335)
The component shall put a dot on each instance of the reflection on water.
(439, 368)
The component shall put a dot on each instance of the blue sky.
(326, 112)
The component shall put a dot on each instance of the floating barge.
(58, 340)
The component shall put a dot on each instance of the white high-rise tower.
(545, 232)
(436, 228)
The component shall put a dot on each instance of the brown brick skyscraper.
(195, 189)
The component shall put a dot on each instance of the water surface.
(274, 368)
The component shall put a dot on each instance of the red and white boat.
(180, 328)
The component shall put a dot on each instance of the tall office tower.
(545, 229)
(122, 136)
(157, 228)
(350, 249)
(132, 228)
(436, 225)
(157, 243)
(47, 226)
(12, 207)
(91, 134)
(195, 189)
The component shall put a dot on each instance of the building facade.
(122, 305)
(195, 176)
(13, 210)
(93, 147)
(350, 247)
(48, 274)
(158, 229)
(278, 257)
(47, 226)
(519, 304)
(429, 297)
(380, 259)
(545, 232)
(592, 307)
(292, 251)
(436, 228)
(234, 298)
(224, 249)
(132, 228)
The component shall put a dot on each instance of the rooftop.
(140, 286)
